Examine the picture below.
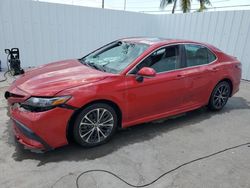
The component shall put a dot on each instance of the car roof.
(158, 41)
(145, 40)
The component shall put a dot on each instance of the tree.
(184, 4)
(203, 4)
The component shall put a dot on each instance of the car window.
(198, 55)
(115, 57)
(162, 60)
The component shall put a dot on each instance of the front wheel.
(95, 125)
(219, 96)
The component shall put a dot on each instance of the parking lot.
(141, 153)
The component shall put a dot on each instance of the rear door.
(200, 70)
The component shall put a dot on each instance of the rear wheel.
(95, 125)
(219, 96)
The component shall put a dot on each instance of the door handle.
(180, 76)
(214, 69)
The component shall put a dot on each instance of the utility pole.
(125, 3)
(102, 3)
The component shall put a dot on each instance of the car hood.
(54, 77)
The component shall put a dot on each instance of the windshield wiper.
(93, 65)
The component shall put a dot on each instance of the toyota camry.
(124, 83)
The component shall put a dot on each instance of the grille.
(8, 94)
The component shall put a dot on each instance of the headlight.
(42, 103)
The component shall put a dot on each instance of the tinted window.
(198, 55)
(162, 60)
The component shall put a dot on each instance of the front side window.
(162, 60)
(198, 55)
(114, 57)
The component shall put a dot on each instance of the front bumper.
(41, 130)
(28, 138)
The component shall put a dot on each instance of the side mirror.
(145, 72)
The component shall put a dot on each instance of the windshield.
(114, 57)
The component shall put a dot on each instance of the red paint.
(147, 71)
(26, 141)
(158, 96)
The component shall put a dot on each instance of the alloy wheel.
(221, 95)
(96, 125)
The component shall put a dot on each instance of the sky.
(152, 6)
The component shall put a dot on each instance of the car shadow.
(135, 134)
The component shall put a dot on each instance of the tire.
(219, 96)
(89, 131)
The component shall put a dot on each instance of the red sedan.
(126, 82)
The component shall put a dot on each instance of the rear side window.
(198, 55)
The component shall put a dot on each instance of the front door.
(161, 94)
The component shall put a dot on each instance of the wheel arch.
(228, 80)
(70, 124)
(221, 80)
